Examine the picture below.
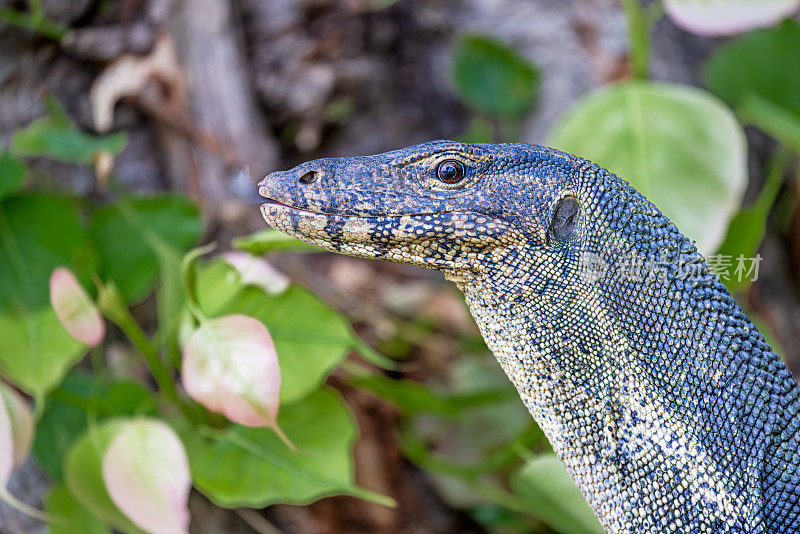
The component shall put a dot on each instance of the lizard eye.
(450, 171)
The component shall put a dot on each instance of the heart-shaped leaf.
(84, 476)
(252, 467)
(16, 435)
(35, 350)
(21, 420)
(230, 367)
(146, 473)
(75, 309)
(310, 338)
(37, 234)
(92, 398)
(6, 445)
(679, 146)
(727, 17)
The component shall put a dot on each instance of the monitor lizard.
(665, 403)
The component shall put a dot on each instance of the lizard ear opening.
(565, 220)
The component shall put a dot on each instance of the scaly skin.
(664, 402)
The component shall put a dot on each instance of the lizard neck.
(643, 422)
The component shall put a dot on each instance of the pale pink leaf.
(19, 414)
(75, 309)
(230, 366)
(6, 446)
(727, 17)
(258, 272)
(146, 473)
(16, 436)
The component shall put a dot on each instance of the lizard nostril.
(308, 178)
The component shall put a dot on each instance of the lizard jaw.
(445, 241)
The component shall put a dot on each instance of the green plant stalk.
(114, 309)
(37, 8)
(417, 452)
(187, 276)
(638, 38)
(35, 22)
(775, 120)
(98, 361)
(776, 169)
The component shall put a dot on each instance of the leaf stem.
(188, 279)
(24, 508)
(778, 163)
(638, 38)
(114, 309)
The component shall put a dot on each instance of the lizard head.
(443, 204)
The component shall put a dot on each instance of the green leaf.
(54, 137)
(410, 397)
(271, 241)
(35, 350)
(69, 515)
(762, 63)
(84, 477)
(493, 78)
(12, 174)
(252, 467)
(415, 398)
(137, 235)
(677, 145)
(748, 227)
(311, 338)
(773, 119)
(554, 497)
(61, 424)
(37, 234)
(69, 408)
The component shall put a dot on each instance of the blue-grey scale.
(663, 400)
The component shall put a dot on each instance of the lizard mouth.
(272, 203)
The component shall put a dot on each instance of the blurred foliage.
(747, 228)
(231, 466)
(73, 516)
(546, 485)
(470, 433)
(54, 136)
(84, 478)
(128, 248)
(764, 93)
(153, 227)
(494, 78)
(310, 337)
(269, 241)
(738, 68)
(665, 140)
